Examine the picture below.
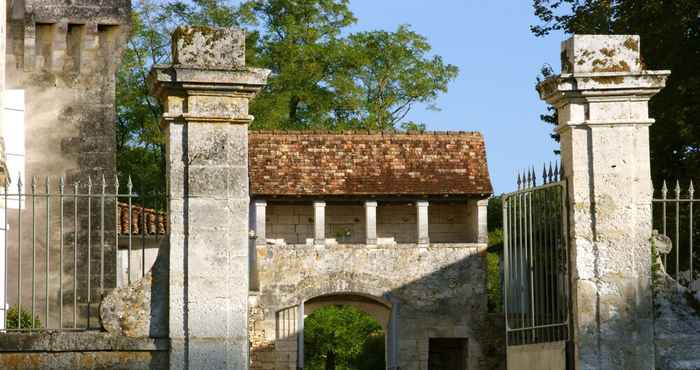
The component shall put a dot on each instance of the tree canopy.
(342, 338)
(670, 39)
(323, 76)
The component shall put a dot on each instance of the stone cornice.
(611, 86)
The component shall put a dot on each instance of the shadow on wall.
(440, 291)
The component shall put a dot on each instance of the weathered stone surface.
(64, 55)
(209, 47)
(81, 350)
(677, 324)
(140, 309)
(441, 290)
(207, 167)
(601, 99)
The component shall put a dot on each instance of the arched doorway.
(347, 331)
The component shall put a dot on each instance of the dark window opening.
(447, 354)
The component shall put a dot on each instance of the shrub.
(23, 317)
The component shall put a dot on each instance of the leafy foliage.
(343, 338)
(670, 35)
(21, 318)
(323, 77)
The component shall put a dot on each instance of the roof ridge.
(366, 132)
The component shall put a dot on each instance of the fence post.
(205, 95)
(601, 99)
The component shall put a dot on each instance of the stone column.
(601, 98)
(422, 222)
(371, 222)
(260, 234)
(205, 95)
(482, 229)
(319, 223)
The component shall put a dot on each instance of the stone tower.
(64, 56)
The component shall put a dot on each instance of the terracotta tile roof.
(377, 164)
(156, 222)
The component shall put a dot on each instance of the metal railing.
(536, 260)
(674, 217)
(60, 248)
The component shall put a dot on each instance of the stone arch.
(378, 308)
(341, 282)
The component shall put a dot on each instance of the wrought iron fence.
(674, 216)
(536, 260)
(60, 245)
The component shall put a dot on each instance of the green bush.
(21, 316)
(494, 289)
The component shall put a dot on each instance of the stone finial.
(601, 53)
(204, 47)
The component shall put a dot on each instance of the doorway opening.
(343, 337)
(448, 354)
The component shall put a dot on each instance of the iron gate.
(536, 273)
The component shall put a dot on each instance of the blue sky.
(498, 59)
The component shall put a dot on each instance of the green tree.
(394, 72)
(343, 338)
(670, 39)
(323, 77)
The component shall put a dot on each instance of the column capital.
(208, 81)
(602, 82)
(260, 202)
(370, 203)
(422, 203)
(319, 203)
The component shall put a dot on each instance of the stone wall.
(441, 290)
(68, 351)
(396, 223)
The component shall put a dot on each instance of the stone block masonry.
(205, 97)
(64, 55)
(601, 98)
(439, 290)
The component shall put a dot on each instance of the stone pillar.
(422, 222)
(482, 226)
(601, 99)
(260, 234)
(319, 223)
(205, 95)
(371, 222)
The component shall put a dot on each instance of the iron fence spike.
(89, 182)
(678, 189)
(61, 184)
(33, 184)
(550, 171)
(544, 174)
(664, 190)
(116, 184)
(691, 189)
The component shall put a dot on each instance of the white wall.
(13, 133)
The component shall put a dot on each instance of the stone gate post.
(205, 94)
(601, 98)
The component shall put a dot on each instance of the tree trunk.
(330, 361)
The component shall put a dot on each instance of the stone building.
(393, 224)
